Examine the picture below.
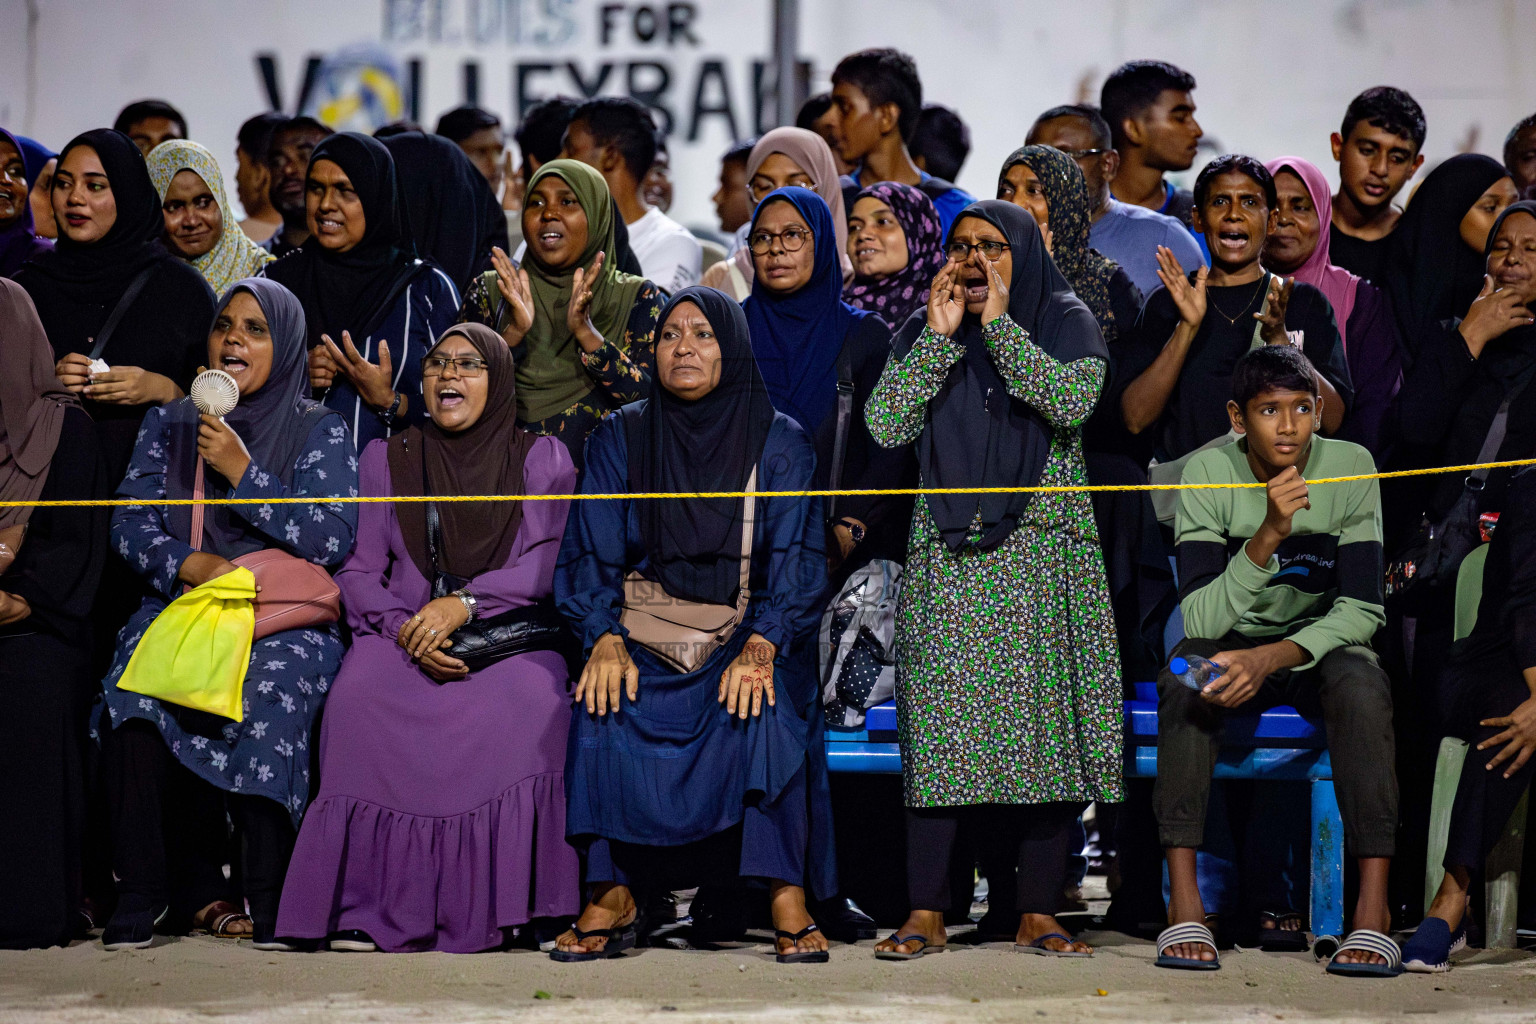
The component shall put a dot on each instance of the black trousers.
(1042, 835)
(1354, 697)
(46, 686)
(170, 834)
(1470, 691)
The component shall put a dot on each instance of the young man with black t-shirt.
(1379, 147)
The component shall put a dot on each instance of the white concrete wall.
(1274, 76)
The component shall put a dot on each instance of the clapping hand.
(1189, 298)
(517, 294)
(578, 314)
(1272, 317)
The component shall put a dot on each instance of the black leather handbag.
(480, 643)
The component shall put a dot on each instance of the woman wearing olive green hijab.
(579, 328)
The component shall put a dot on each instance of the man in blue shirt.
(876, 100)
(1127, 234)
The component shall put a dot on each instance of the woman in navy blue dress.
(668, 770)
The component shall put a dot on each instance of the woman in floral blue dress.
(167, 764)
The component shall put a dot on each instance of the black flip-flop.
(899, 940)
(814, 956)
(620, 941)
(1281, 940)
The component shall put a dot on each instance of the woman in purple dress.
(440, 822)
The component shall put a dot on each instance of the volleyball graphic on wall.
(359, 88)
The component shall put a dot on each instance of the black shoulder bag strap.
(134, 287)
(844, 423)
(434, 533)
(1478, 478)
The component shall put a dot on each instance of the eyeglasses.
(961, 251)
(1078, 154)
(792, 239)
(760, 192)
(467, 366)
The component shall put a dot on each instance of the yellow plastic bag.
(197, 650)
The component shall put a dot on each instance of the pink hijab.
(1335, 282)
(812, 155)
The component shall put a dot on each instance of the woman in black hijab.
(108, 265)
(110, 224)
(712, 766)
(373, 308)
(1008, 675)
(451, 213)
(1466, 369)
(1435, 256)
(48, 452)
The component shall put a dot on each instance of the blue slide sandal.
(1363, 940)
(1183, 934)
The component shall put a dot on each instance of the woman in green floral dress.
(1008, 676)
(579, 328)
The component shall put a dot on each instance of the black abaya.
(46, 687)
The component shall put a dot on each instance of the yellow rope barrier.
(873, 492)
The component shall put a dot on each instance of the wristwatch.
(470, 604)
(388, 415)
(854, 529)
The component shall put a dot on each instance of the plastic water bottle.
(1194, 671)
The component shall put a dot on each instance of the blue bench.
(1280, 744)
(870, 750)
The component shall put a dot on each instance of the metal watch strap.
(470, 604)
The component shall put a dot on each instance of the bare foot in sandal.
(612, 906)
(790, 918)
(925, 924)
(1032, 926)
(223, 920)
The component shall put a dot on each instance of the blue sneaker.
(1429, 950)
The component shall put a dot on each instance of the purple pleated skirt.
(440, 818)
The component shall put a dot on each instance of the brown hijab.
(485, 458)
(32, 404)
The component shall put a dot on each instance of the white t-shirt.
(669, 255)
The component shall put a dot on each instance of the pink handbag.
(293, 593)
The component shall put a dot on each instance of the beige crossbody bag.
(682, 633)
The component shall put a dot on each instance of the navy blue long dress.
(673, 768)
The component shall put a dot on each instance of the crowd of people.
(438, 724)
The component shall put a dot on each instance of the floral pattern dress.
(621, 369)
(290, 672)
(1007, 669)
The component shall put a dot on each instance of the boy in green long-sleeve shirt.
(1280, 587)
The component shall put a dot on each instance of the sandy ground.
(195, 979)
